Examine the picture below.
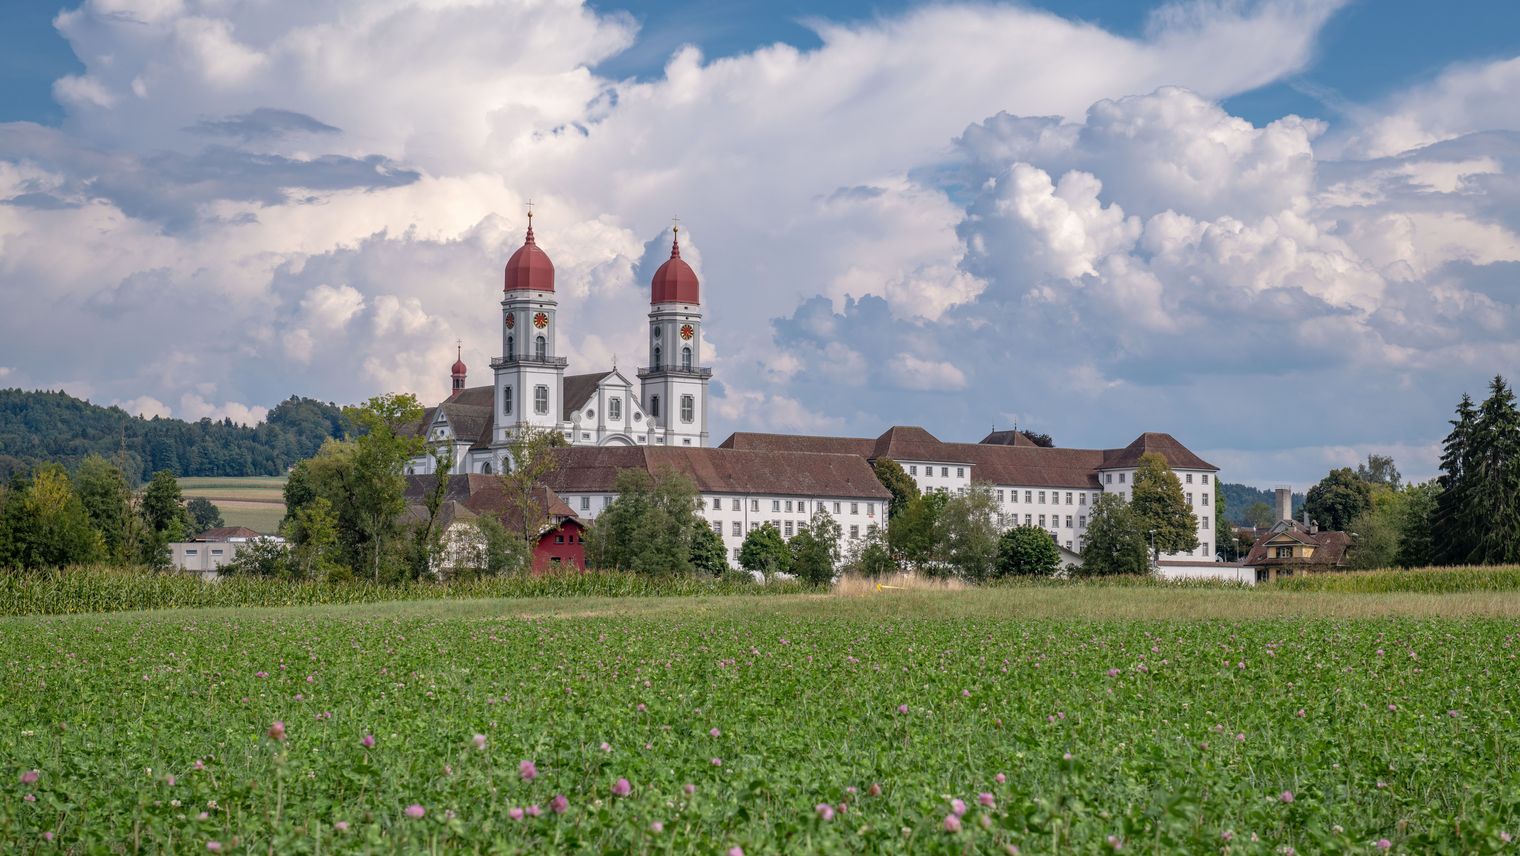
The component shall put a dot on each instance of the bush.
(1027, 551)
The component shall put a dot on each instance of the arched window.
(510, 350)
(686, 359)
(506, 400)
(656, 359)
(654, 407)
(540, 348)
(486, 468)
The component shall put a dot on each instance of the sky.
(1285, 231)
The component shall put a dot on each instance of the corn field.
(1420, 580)
(110, 589)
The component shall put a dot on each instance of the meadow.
(1054, 719)
(257, 502)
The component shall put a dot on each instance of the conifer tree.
(1494, 503)
(1453, 540)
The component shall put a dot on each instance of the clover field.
(808, 724)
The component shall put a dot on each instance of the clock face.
(511, 321)
(540, 320)
(687, 331)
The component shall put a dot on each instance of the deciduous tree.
(1115, 542)
(1161, 510)
(764, 551)
(895, 479)
(1338, 499)
(1027, 551)
(815, 549)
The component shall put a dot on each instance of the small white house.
(207, 552)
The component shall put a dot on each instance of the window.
(192, 552)
(1042, 497)
(737, 529)
(1029, 496)
(654, 407)
(944, 472)
(754, 505)
(1068, 497)
(1121, 478)
(1000, 496)
(1205, 524)
(688, 408)
(913, 469)
(775, 505)
(510, 341)
(1205, 478)
(216, 552)
(1284, 553)
(788, 505)
(686, 359)
(753, 526)
(734, 505)
(1205, 502)
(1082, 521)
(1081, 499)
(836, 508)
(656, 356)
(1026, 520)
(585, 435)
(1190, 499)
(718, 528)
(541, 399)
(540, 348)
(1068, 521)
(871, 509)
(559, 539)
(960, 472)
(585, 503)
(1108, 478)
(1068, 545)
(615, 409)
(736, 554)
(854, 508)
(606, 501)
(1189, 478)
(789, 529)
(854, 531)
(1042, 520)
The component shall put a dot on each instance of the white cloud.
(145, 406)
(1462, 99)
(193, 407)
(930, 375)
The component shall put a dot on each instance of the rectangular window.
(1042, 497)
(718, 528)
(1068, 521)
(789, 529)
(1205, 502)
(1108, 478)
(585, 503)
(540, 399)
(717, 503)
(1068, 497)
(1026, 520)
(559, 539)
(913, 469)
(1205, 478)
(960, 472)
(1068, 545)
(871, 509)
(737, 529)
(615, 409)
(1000, 496)
(1029, 496)
(606, 501)
(734, 505)
(753, 526)
(854, 508)
(1042, 520)
(1121, 478)
(1189, 478)
(585, 435)
(216, 552)
(1205, 524)
(775, 505)
(654, 407)
(688, 408)
(854, 531)
(1082, 521)
(944, 472)
(836, 508)
(1082, 499)
(506, 400)
(736, 554)
(754, 505)
(788, 505)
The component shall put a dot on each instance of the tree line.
(38, 427)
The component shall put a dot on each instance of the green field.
(257, 502)
(1157, 720)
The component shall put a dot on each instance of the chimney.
(1284, 502)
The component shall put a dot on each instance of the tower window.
(686, 359)
(540, 348)
(615, 409)
(541, 398)
(506, 400)
(654, 400)
(656, 361)
(688, 408)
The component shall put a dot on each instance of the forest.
(39, 427)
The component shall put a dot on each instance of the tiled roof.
(481, 495)
(226, 533)
(1177, 455)
(1008, 437)
(1330, 547)
(578, 389)
(754, 442)
(723, 470)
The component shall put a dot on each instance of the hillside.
(1239, 497)
(39, 426)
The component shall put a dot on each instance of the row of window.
(540, 348)
(944, 472)
(614, 405)
(1108, 478)
(685, 358)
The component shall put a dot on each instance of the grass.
(257, 502)
(1179, 720)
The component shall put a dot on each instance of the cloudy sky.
(1286, 231)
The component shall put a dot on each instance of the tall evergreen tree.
(1453, 534)
(1495, 473)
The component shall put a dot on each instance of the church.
(664, 405)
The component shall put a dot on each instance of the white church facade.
(663, 404)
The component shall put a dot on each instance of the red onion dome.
(529, 269)
(459, 367)
(675, 281)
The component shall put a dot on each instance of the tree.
(493, 551)
(43, 523)
(1041, 440)
(708, 555)
(1027, 551)
(313, 533)
(815, 549)
(1160, 509)
(375, 484)
(1376, 531)
(1338, 499)
(896, 480)
(1379, 470)
(427, 537)
(164, 517)
(969, 530)
(1456, 529)
(261, 557)
(764, 552)
(1417, 529)
(204, 514)
(107, 498)
(1258, 515)
(915, 533)
(648, 527)
(530, 459)
(870, 557)
(1494, 470)
(1115, 542)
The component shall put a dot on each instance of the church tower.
(530, 377)
(674, 385)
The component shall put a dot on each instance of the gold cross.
(675, 223)
(530, 211)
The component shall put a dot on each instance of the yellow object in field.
(879, 587)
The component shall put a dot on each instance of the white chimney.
(1284, 502)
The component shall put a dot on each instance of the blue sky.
(1286, 231)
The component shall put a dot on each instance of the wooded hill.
(43, 426)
